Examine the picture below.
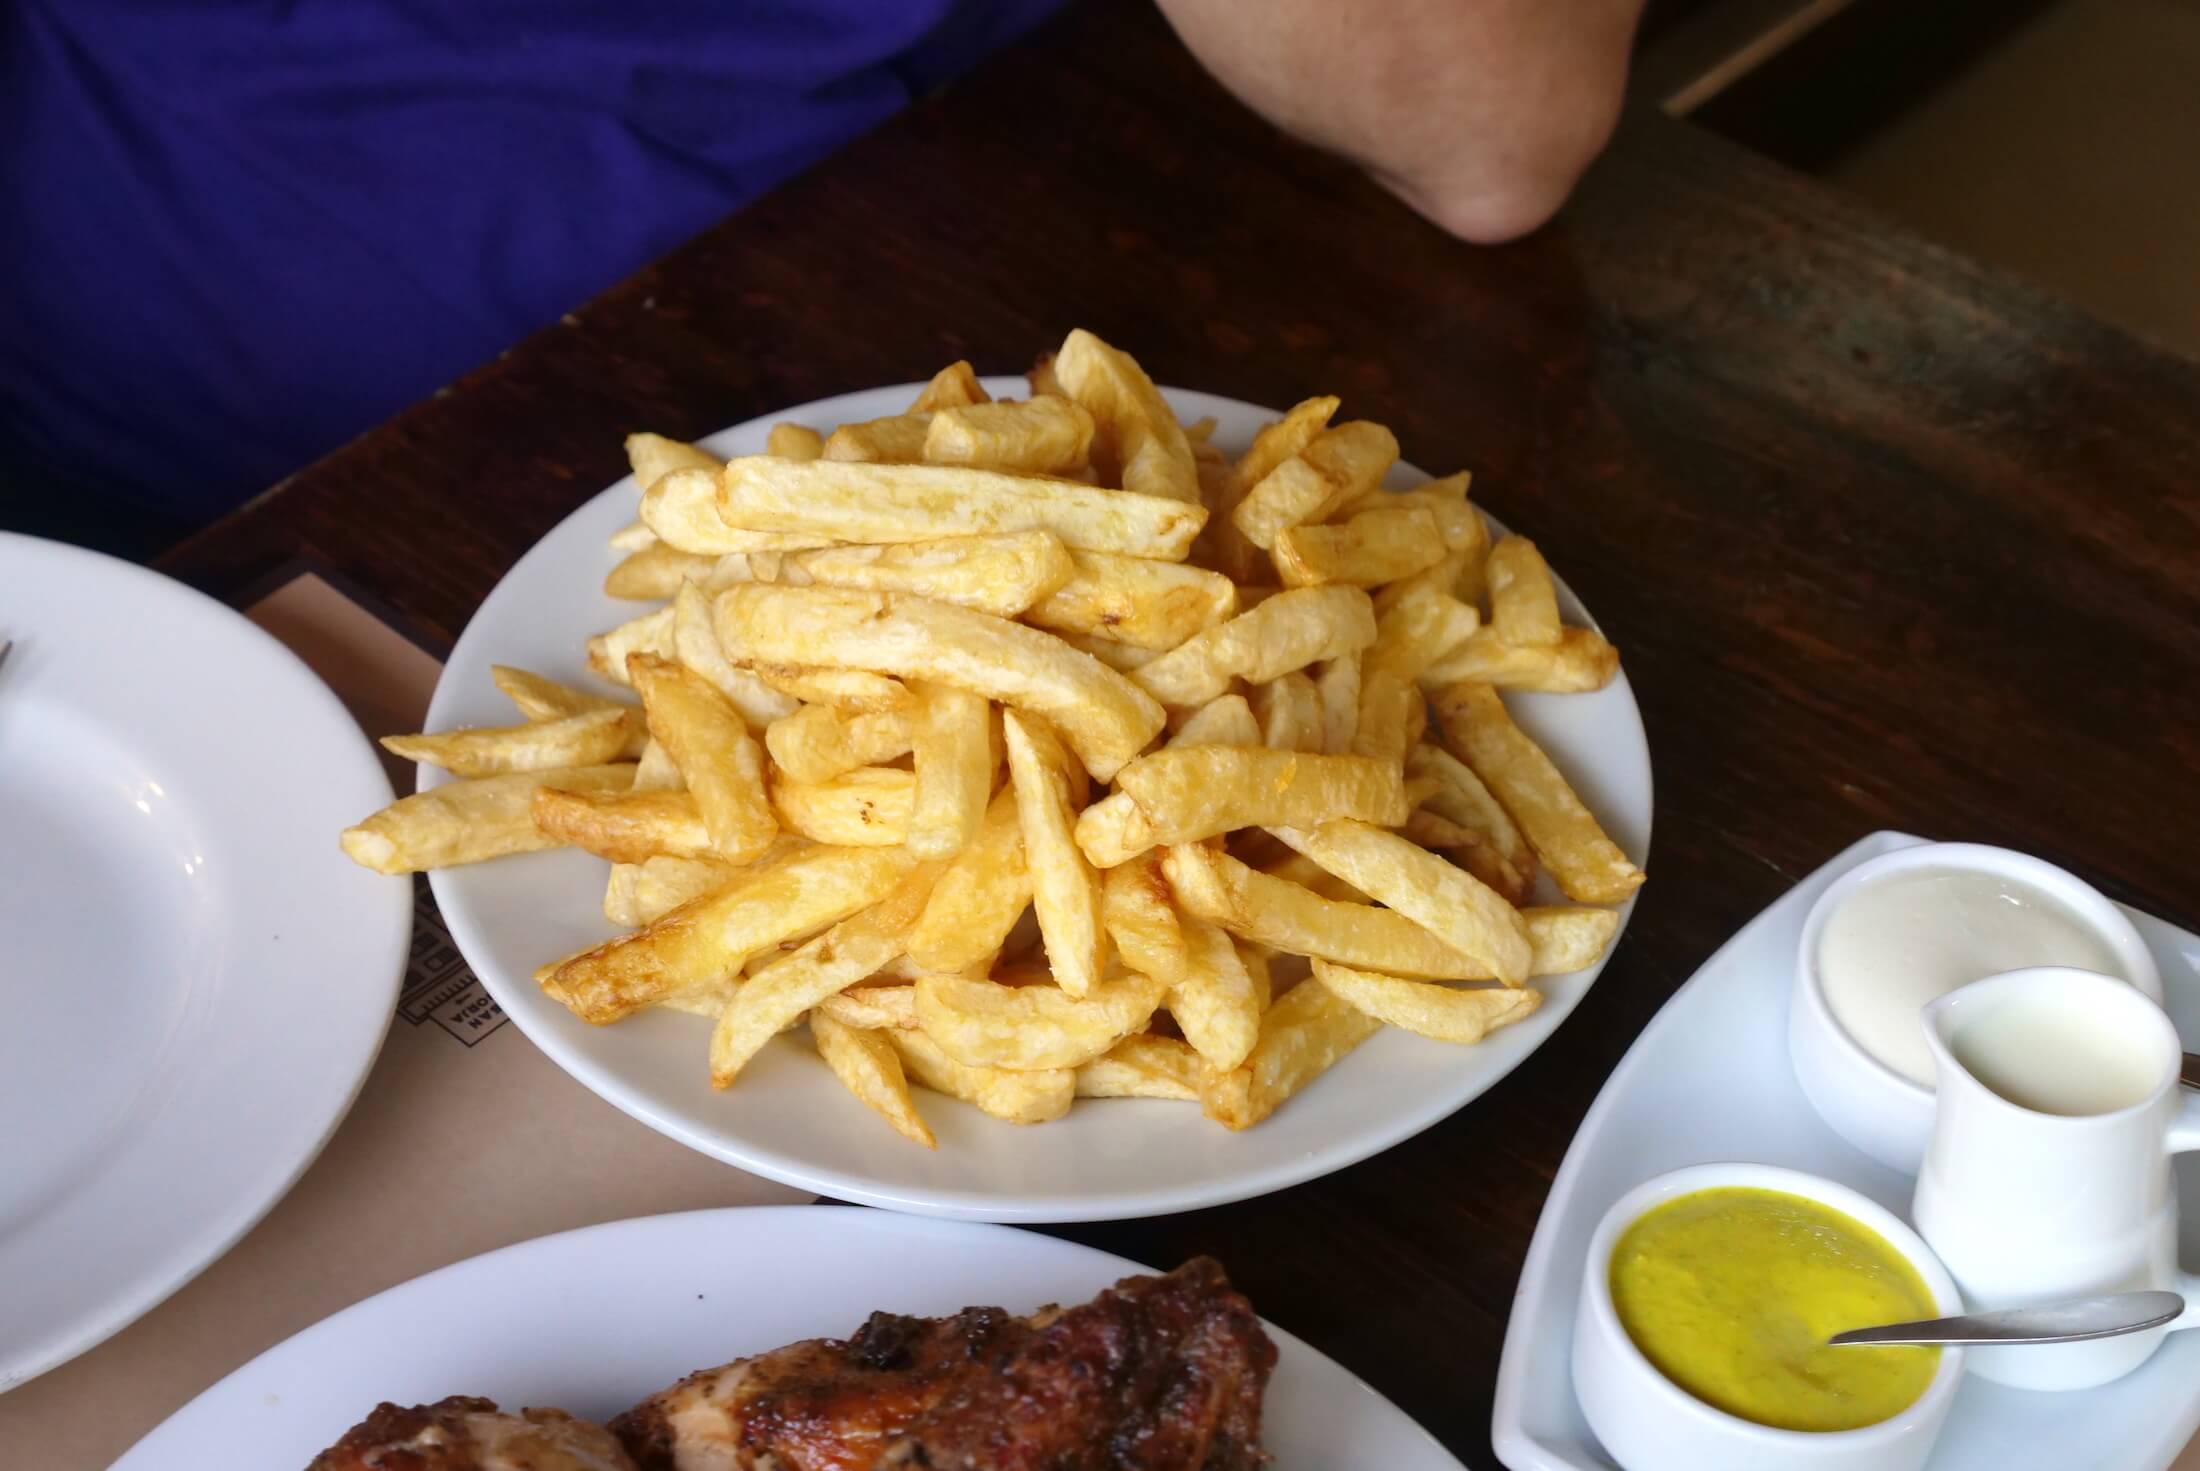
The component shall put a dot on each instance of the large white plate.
(788, 1118)
(1708, 1080)
(592, 1321)
(196, 979)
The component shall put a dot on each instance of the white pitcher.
(2025, 1206)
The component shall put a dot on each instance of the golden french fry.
(818, 742)
(895, 502)
(1303, 1035)
(1297, 868)
(1139, 913)
(1105, 718)
(656, 771)
(1041, 377)
(545, 699)
(468, 821)
(1186, 793)
(1225, 720)
(695, 644)
(865, 808)
(683, 509)
(1216, 1000)
(1288, 631)
(1149, 443)
(624, 826)
(1065, 892)
(717, 756)
(1441, 1013)
(1136, 600)
(1028, 1028)
(655, 573)
(1441, 834)
(1523, 601)
(1385, 730)
(1447, 901)
(846, 689)
(653, 457)
(953, 386)
(1112, 652)
(1143, 1066)
(1001, 574)
(590, 738)
(776, 997)
(706, 940)
(869, 1067)
(1283, 440)
(1567, 940)
(794, 442)
(1018, 1097)
(1457, 522)
(1290, 712)
(1376, 546)
(1587, 865)
(1416, 631)
(638, 893)
(897, 439)
(1335, 466)
(1338, 685)
(952, 740)
(868, 1008)
(1500, 856)
(633, 536)
(1046, 436)
(649, 634)
(1220, 544)
(978, 900)
(1581, 660)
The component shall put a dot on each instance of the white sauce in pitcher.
(2056, 1057)
(1909, 939)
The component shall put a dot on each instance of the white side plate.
(1708, 1080)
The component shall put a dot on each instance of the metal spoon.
(2052, 1322)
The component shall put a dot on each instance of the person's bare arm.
(1481, 114)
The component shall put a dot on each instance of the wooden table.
(1886, 539)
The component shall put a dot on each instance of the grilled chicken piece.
(1155, 1374)
(467, 1434)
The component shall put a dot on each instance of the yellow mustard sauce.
(1732, 1294)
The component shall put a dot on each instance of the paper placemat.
(465, 1138)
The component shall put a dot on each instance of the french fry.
(656, 771)
(1500, 857)
(869, 1067)
(624, 826)
(1288, 631)
(1149, 443)
(1588, 866)
(865, 808)
(1191, 792)
(468, 821)
(1385, 730)
(818, 742)
(633, 536)
(695, 644)
(590, 738)
(868, 1008)
(1041, 377)
(1297, 868)
(1457, 522)
(1450, 903)
(1029, 1028)
(1289, 709)
(706, 940)
(845, 689)
(1379, 545)
(1136, 600)
(1001, 574)
(1567, 940)
(1414, 632)
(1019, 1098)
(952, 740)
(649, 634)
(1065, 892)
(683, 509)
(794, 442)
(1338, 685)
(638, 893)
(1523, 600)
(954, 386)
(981, 895)
(1046, 436)
(1216, 1001)
(1302, 1036)
(1581, 660)
(1335, 466)
(655, 573)
(1225, 720)
(717, 756)
(895, 502)
(1440, 1013)
(897, 439)
(539, 698)
(1113, 652)
(1140, 916)
(1283, 440)
(1105, 718)
(1440, 834)
(1143, 1066)
(653, 457)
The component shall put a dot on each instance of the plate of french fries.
(1044, 798)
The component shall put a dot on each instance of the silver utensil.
(2051, 1322)
(5, 645)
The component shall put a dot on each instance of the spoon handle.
(2066, 1322)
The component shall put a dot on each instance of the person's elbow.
(1504, 193)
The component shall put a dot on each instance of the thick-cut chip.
(1284, 439)
(981, 896)
(1141, 918)
(1220, 544)
(1457, 522)
(897, 439)
(846, 689)
(1441, 834)
(1440, 1013)
(951, 387)
(777, 996)
(1288, 631)
(1337, 465)
(1302, 1036)
(1299, 869)
(869, 1067)
(1289, 709)
(682, 508)
(638, 893)
(1216, 1001)
(625, 826)
(794, 442)
(1587, 865)
(1338, 684)
(1445, 900)
(1105, 718)
(873, 503)
(1581, 660)
(695, 644)
(1136, 600)
(706, 940)
(545, 699)
(468, 821)
(1385, 730)
(952, 740)
(590, 738)
(717, 756)
(1376, 546)
(1225, 720)
(1027, 1028)
(1416, 631)
(1046, 436)
(655, 573)
(1002, 575)
(871, 1007)
(653, 457)
(1192, 792)
(633, 536)
(1112, 652)
(865, 808)
(1143, 1066)
(1020, 1098)
(1149, 443)
(818, 742)
(1567, 940)
(1523, 601)
(1065, 892)
(1041, 377)
(1500, 856)
(649, 634)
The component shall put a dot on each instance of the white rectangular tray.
(1708, 1080)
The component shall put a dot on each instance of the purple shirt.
(238, 234)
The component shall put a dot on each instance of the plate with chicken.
(832, 1339)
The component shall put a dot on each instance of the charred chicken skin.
(467, 1434)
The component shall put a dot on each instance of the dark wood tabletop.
(1886, 539)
